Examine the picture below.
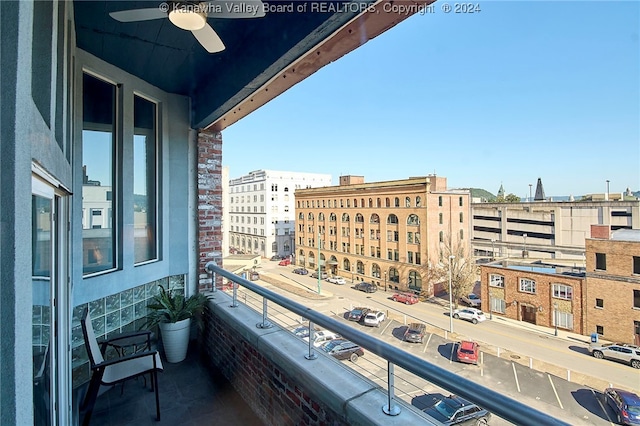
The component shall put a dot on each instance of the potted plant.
(172, 313)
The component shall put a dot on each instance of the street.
(552, 374)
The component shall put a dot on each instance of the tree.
(509, 198)
(462, 267)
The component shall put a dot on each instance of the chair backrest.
(90, 341)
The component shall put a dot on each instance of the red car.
(468, 352)
(406, 298)
(284, 262)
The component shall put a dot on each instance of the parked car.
(322, 336)
(357, 314)
(406, 298)
(300, 271)
(470, 314)
(415, 332)
(454, 410)
(467, 352)
(374, 318)
(472, 300)
(336, 280)
(277, 257)
(285, 262)
(366, 287)
(323, 275)
(622, 352)
(254, 276)
(625, 404)
(302, 331)
(343, 349)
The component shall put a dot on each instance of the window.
(440, 217)
(286, 189)
(601, 261)
(359, 218)
(410, 237)
(562, 291)
(374, 218)
(441, 236)
(407, 202)
(461, 234)
(440, 201)
(460, 201)
(409, 257)
(636, 299)
(98, 153)
(387, 202)
(636, 264)
(345, 217)
(396, 202)
(393, 275)
(332, 217)
(600, 330)
(527, 285)
(498, 305)
(392, 219)
(418, 201)
(415, 280)
(461, 217)
(496, 280)
(413, 220)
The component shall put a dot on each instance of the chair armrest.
(127, 336)
(114, 361)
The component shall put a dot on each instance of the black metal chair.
(113, 371)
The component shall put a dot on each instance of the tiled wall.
(117, 313)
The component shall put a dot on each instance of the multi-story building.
(546, 230)
(612, 303)
(262, 202)
(385, 232)
(541, 294)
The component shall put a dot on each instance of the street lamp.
(530, 198)
(524, 250)
(385, 281)
(555, 318)
(450, 297)
(606, 197)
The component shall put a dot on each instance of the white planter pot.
(175, 339)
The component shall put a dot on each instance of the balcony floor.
(190, 395)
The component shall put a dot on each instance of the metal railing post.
(265, 323)
(390, 409)
(209, 268)
(311, 354)
(234, 303)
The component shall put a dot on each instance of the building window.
(409, 257)
(415, 281)
(441, 236)
(563, 320)
(498, 305)
(145, 176)
(410, 237)
(407, 202)
(561, 291)
(396, 202)
(496, 280)
(461, 234)
(461, 217)
(440, 218)
(393, 275)
(527, 285)
(460, 201)
(392, 219)
(636, 299)
(413, 220)
(440, 201)
(601, 261)
(636, 264)
(418, 201)
(600, 303)
(600, 330)
(98, 154)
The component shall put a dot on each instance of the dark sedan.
(454, 410)
(300, 271)
(366, 287)
(357, 314)
(625, 405)
(343, 349)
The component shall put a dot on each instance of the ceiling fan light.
(189, 20)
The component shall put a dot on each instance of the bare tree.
(456, 258)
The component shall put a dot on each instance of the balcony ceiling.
(263, 56)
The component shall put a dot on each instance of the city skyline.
(516, 92)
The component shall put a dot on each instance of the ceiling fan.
(192, 16)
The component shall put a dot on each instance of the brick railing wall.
(209, 203)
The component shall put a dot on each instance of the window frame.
(527, 285)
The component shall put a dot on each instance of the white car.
(472, 300)
(321, 337)
(336, 280)
(470, 314)
(374, 318)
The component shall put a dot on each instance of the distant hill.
(482, 194)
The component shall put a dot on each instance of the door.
(48, 266)
(528, 314)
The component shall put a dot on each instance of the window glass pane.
(144, 180)
(98, 147)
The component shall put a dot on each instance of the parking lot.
(565, 400)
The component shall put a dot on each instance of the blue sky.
(517, 92)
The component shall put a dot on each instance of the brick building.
(388, 232)
(534, 293)
(612, 304)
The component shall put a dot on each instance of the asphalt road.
(522, 371)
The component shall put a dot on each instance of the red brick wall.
(272, 394)
(600, 231)
(209, 203)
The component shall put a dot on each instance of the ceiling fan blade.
(232, 9)
(209, 39)
(135, 15)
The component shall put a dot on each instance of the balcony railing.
(499, 404)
